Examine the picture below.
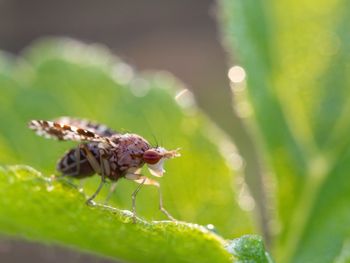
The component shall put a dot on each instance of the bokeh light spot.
(236, 74)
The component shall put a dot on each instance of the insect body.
(105, 152)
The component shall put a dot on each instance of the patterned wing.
(99, 129)
(61, 131)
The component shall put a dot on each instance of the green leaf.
(249, 249)
(63, 77)
(296, 57)
(38, 209)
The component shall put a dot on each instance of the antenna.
(149, 127)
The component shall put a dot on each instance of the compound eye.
(151, 157)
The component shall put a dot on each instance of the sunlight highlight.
(185, 98)
(236, 74)
(245, 200)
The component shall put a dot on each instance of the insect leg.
(91, 198)
(77, 163)
(66, 179)
(133, 196)
(92, 160)
(147, 181)
(111, 191)
(161, 207)
(98, 168)
(68, 176)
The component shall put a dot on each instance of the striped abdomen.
(74, 163)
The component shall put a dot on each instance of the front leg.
(143, 180)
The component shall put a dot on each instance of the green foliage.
(32, 207)
(249, 249)
(296, 55)
(62, 77)
(38, 208)
(66, 78)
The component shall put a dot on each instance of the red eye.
(151, 157)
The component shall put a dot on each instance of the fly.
(107, 153)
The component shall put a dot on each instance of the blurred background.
(178, 36)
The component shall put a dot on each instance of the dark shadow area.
(19, 251)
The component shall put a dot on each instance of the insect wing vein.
(100, 129)
(61, 131)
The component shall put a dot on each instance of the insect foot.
(90, 202)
